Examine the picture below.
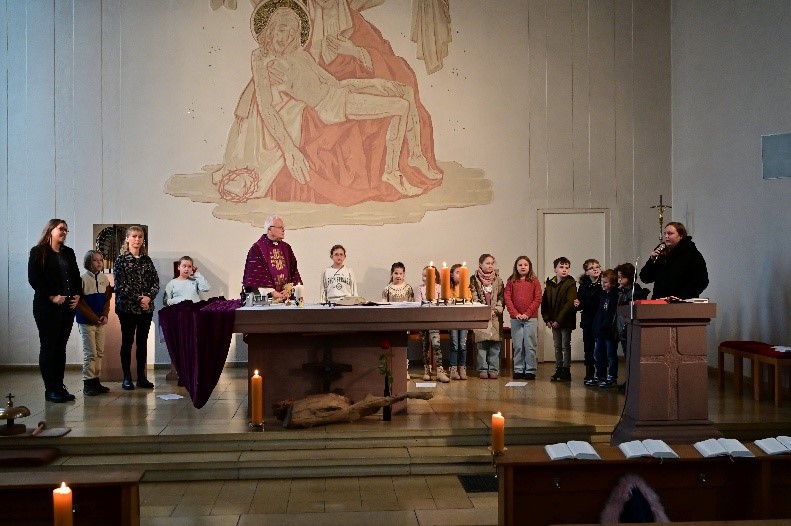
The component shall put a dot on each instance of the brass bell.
(9, 413)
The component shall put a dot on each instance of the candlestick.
(444, 279)
(464, 282)
(498, 433)
(257, 399)
(61, 505)
(431, 282)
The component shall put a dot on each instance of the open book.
(572, 449)
(647, 448)
(775, 446)
(716, 447)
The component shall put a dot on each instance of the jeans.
(562, 340)
(606, 354)
(458, 347)
(524, 342)
(588, 345)
(488, 356)
(134, 328)
(92, 349)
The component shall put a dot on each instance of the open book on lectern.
(720, 447)
(647, 448)
(576, 449)
(775, 446)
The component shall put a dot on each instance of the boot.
(89, 387)
(565, 374)
(590, 373)
(142, 381)
(454, 373)
(101, 388)
(558, 376)
(426, 373)
(441, 376)
(127, 384)
(463, 372)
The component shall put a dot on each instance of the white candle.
(299, 292)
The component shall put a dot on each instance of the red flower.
(384, 344)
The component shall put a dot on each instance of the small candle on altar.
(444, 279)
(61, 505)
(299, 291)
(257, 399)
(498, 432)
(464, 281)
(431, 282)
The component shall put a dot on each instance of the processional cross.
(661, 207)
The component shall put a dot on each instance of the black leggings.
(54, 323)
(134, 328)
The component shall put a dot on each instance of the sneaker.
(493, 375)
(463, 372)
(483, 375)
(426, 373)
(591, 382)
(609, 382)
(530, 376)
(518, 376)
(454, 373)
(441, 376)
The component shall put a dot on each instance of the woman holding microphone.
(676, 266)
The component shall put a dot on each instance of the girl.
(53, 273)
(338, 280)
(522, 299)
(487, 287)
(398, 289)
(92, 311)
(187, 285)
(430, 338)
(458, 337)
(136, 285)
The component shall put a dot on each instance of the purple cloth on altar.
(270, 264)
(198, 337)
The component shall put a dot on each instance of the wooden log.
(330, 408)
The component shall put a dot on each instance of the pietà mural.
(330, 128)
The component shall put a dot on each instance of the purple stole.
(270, 265)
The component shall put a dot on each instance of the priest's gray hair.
(270, 221)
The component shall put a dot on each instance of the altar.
(300, 351)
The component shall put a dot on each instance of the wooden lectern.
(667, 388)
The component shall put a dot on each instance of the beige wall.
(562, 104)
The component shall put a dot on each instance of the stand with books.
(667, 389)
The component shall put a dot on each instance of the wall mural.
(330, 128)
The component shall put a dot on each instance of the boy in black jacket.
(606, 331)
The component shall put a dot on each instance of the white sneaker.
(463, 372)
(441, 376)
(454, 373)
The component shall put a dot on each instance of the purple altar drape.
(198, 337)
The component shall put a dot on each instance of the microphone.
(634, 284)
(660, 248)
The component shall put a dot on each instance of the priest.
(271, 263)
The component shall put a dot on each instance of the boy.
(627, 286)
(92, 311)
(606, 331)
(587, 302)
(557, 310)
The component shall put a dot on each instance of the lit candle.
(61, 504)
(431, 282)
(498, 432)
(257, 399)
(444, 280)
(464, 282)
(299, 291)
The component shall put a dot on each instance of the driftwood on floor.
(330, 408)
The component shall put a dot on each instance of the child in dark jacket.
(557, 310)
(605, 330)
(587, 302)
(92, 311)
(628, 290)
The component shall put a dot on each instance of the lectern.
(667, 389)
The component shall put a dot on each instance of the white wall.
(731, 78)
(563, 104)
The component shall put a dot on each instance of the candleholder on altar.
(496, 454)
(256, 427)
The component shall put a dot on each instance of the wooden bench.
(758, 353)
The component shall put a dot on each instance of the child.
(486, 287)
(338, 280)
(557, 309)
(522, 299)
(92, 311)
(398, 290)
(430, 339)
(627, 291)
(588, 301)
(605, 330)
(458, 337)
(187, 285)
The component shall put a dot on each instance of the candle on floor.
(257, 399)
(444, 279)
(498, 432)
(464, 282)
(431, 282)
(61, 505)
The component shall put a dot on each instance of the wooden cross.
(327, 369)
(661, 207)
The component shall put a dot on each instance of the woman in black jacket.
(53, 273)
(676, 267)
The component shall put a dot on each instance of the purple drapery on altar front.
(198, 337)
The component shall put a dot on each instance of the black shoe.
(609, 382)
(530, 376)
(101, 388)
(519, 376)
(59, 396)
(591, 382)
(143, 383)
(127, 384)
(89, 387)
(558, 376)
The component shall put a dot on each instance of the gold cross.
(661, 207)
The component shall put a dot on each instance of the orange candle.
(464, 282)
(431, 282)
(498, 432)
(257, 399)
(61, 504)
(444, 279)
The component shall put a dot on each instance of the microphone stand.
(634, 285)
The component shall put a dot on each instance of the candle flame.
(430, 263)
(463, 263)
(62, 485)
(444, 264)
(499, 414)
(255, 373)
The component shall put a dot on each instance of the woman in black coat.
(53, 273)
(676, 267)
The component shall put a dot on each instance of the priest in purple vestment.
(271, 262)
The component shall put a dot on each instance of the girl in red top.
(522, 299)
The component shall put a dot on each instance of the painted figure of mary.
(346, 157)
